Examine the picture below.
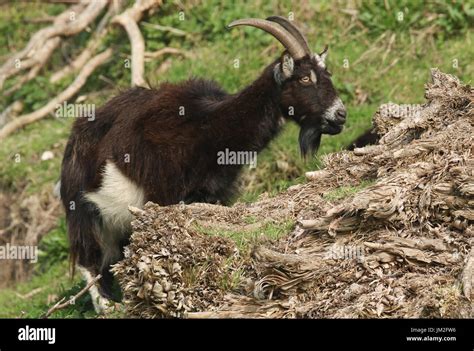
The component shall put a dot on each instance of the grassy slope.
(417, 43)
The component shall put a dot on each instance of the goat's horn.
(293, 46)
(292, 29)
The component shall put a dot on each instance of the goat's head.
(307, 94)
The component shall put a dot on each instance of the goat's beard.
(309, 139)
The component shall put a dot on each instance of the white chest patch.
(114, 196)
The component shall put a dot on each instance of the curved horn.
(294, 48)
(292, 29)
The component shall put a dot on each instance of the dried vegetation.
(398, 246)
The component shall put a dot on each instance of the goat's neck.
(257, 111)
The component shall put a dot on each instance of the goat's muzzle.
(334, 118)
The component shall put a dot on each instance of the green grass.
(49, 283)
(20, 156)
(380, 53)
(244, 239)
(345, 191)
(54, 284)
(53, 249)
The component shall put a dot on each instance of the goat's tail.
(82, 217)
(83, 231)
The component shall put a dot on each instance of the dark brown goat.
(162, 144)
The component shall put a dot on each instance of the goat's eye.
(305, 80)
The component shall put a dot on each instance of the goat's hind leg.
(113, 241)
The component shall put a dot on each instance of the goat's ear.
(284, 69)
(287, 66)
(324, 54)
(321, 58)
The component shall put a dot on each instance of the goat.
(161, 145)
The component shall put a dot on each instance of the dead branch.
(70, 22)
(169, 29)
(92, 46)
(165, 51)
(36, 64)
(30, 294)
(33, 55)
(10, 112)
(47, 1)
(128, 20)
(46, 19)
(72, 300)
(139, 8)
(66, 94)
(138, 49)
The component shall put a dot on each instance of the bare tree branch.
(70, 22)
(128, 20)
(100, 33)
(37, 63)
(72, 300)
(165, 51)
(10, 112)
(169, 29)
(66, 94)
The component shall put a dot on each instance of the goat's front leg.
(101, 304)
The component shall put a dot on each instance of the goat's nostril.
(341, 114)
